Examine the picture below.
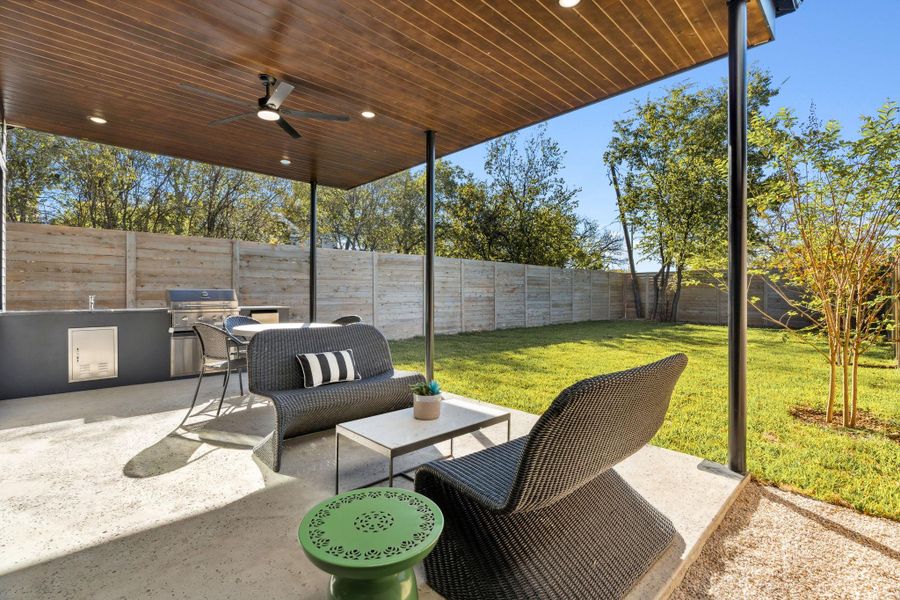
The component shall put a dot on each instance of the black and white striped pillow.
(327, 367)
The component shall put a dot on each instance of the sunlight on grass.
(526, 368)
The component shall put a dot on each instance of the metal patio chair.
(347, 320)
(234, 320)
(545, 516)
(220, 350)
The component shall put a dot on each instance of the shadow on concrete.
(241, 425)
(245, 549)
(107, 404)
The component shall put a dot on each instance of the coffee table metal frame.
(418, 444)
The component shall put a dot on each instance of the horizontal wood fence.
(709, 303)
(52, 267)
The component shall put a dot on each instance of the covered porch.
(121, 503)
(109, 502)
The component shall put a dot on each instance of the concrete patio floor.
(102, 500)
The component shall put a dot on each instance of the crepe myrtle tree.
(831, 214)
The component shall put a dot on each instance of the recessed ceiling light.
(285, 161)
(267, 114)
(569, 3)
(98, 120)
(368, 114)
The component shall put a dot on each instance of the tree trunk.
(832, 381)
(678, 277)
(654, 308)
(856, 356)
(845, 359)
(662, 295)
(635, 288)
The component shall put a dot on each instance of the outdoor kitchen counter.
(34, 350)
(81, 310)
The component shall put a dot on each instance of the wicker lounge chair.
(274, 374)
(545, 516)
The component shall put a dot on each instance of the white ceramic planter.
(427, 408)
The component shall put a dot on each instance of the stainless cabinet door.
(185, 355)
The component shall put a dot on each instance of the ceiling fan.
(268, 108)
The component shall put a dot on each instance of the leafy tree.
(669, 158)
(611, 158)
(538, 209)
(832, 219)
(403, 195)
(524, 212)
(470, 221)
(32, 161)
(101, 186)
(352, 219)
(596, 247)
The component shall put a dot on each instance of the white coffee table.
(396, 433)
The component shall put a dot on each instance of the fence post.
(591, 295)
(495, 296)
(374, 289)
(609, 297)
(462, 295)
(719, 303)
(572, 296)
(550, 295)
(236, 266)
(130, 270)
(526, 295)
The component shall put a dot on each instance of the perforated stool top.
(371, 532)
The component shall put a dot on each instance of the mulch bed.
(866, 422)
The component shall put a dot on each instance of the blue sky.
(842, 55)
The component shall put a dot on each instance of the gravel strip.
(775, 544)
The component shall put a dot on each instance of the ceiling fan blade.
(279, 94)
(287, 127)
(213, 95)
(230, 119)
(302, 114)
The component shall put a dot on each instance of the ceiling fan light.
(267, 114)
(97, 120)
(569, 3)
(285, 161)
(368, 114)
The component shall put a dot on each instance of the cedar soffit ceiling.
(470, 70)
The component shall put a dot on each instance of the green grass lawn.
(526, 368)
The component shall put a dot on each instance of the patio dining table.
(248, 331)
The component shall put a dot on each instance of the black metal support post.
(429, 255)
(737, 235)
(2, 210)
(313, 235)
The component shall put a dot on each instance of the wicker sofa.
(545, 516)
(273, 373)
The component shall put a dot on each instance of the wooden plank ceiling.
(469, 69)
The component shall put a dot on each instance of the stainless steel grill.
(200, 306)
(186, 308)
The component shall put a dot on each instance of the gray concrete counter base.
(34, 349)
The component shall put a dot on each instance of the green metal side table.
(370, 539)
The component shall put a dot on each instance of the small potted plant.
(426, 400)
